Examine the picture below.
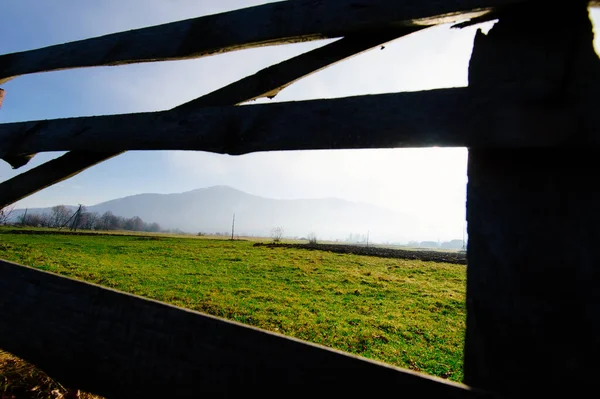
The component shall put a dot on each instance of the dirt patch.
(21, 380)
(459, 258)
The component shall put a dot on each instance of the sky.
(429, 184)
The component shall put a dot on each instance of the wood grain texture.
(19, 160)
(355, 122)
(269, 24)
(122, 346)
(533, 214)
(267, 82)
(270, 81)
(49, 173)
(445, 117)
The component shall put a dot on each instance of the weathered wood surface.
(267, 82)
(533, 303)
(445, 117)
(389, 120)
(269, 24)
(271, 80)
(48, 174)
(122, 346)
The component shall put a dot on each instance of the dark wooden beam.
(445, 117)
(425, 118)
(19, 160)
(269, 24)
(122, 346)
(533, 319)
(270, 81)
(267, 82)
(49, 173)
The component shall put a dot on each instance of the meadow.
(408, 313)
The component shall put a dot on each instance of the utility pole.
(73, 218)
(77, 216)
(24, 220)
(232, 226)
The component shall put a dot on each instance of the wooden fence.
(529, 118)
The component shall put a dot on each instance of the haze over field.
(210, 210)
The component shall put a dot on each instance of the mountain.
(210, 210)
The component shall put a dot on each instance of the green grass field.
(407, 313)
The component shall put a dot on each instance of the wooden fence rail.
(270, 24)
(529, 118)
(266, 83)
(122, 346)
(443, 117)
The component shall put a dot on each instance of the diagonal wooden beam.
(270, 81)
(269, 24)
(267, 82)
(49, 173)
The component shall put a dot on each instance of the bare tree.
(108, 221)
(60, 215)
(45, 220)
(134, 224)
(33, 220)
(5, 214)
(277, 233)
(153, 227)
(88, 220)
(312, 238)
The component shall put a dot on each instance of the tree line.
(61, 216)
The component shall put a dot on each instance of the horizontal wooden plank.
(267, 82)
(274, 23)
(354, 122)
(19, 160)
(445, 117)
(123, 346)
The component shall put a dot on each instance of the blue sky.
(427, 183)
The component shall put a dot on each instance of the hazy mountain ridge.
(210, 210)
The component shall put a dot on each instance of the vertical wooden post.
(533, 276)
